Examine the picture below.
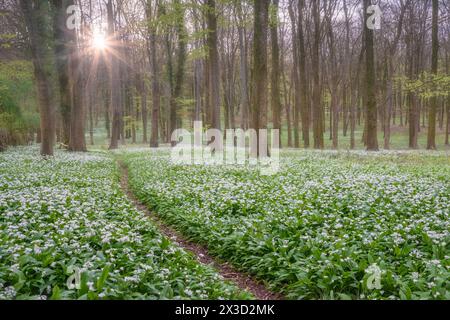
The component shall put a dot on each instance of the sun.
(99, 41)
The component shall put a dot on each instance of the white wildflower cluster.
(320, 222)
(68, 232)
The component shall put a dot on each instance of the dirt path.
(241, 280)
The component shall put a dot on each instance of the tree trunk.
(213, 59)
(318, 126)
(260, 78)
(304, 101)
(371, 107)
(333, 79)
(243, 72)
(275, 79)
(115, 84)
(295, 78)
(77, 116)
(156, 95)
(38, 21)
(64, 40)
(431, 145)
(144, 112)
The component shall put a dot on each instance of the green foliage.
(427, 85)
(273, 16)
(322, 226)
(17, 102)
(68, 232)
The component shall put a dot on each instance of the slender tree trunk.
(275, 79)
(287, 103)
(243, 69)
(64, 39)
(305, 106)
(77, 117)
(213, 59)
(91, 119)
(156, 95)
(198, 89)
(144, 112)
(447, 126)
(260, 78)
(372, 114)
(318, 126)
(295, 78)
(431, 145)
(243, 72)
(333, 79)
(115, 84)
(107, 103)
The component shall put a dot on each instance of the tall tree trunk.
(213, 59)
(77, 116)
(156, 95)
(243, 70)
(115, 83)
(305, 106)
(198, 89)
(144, 112)
(447, 126)
(260, 78)
(296, 78)
(275, 79)
(38, 22)
(91, 119)
(318, 126)
(333, 79)
(371, 107)
(177, 79)
(431, 145)
(64, 40)
(287, 102)
(107, 98)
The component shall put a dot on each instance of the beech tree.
(178, 61)
(275, 78)
(431, 144)
(260, 70)
(371, 108)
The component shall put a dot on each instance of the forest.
(95, 96)
(134, 71)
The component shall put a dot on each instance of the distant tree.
(275, 78)
(371, 108)
(318, 124)
(152, 48)
(63, 38)
(303, 79)
(213, 60)
(260, 72)
(295, 74)
(431, 145)
(115, 80)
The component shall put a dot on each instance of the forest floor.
(240, 279)
(130, 224)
